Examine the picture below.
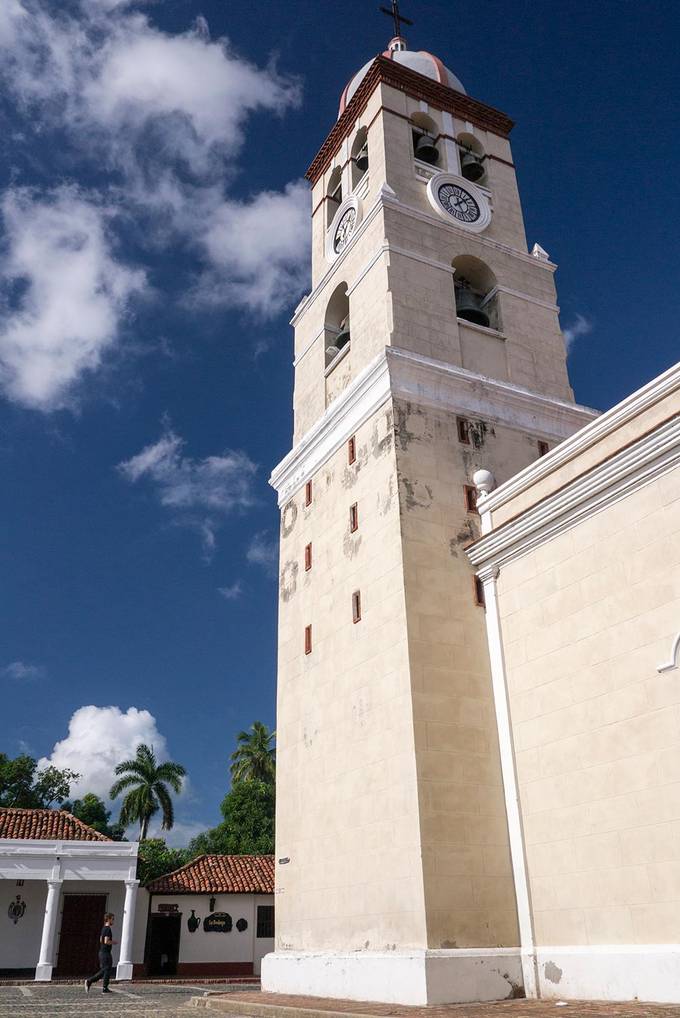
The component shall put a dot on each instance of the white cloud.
(199, 493)
(233, 592)
(268, 265)
(98, 739)
(580, 326)
(179, 835)
(21, 670)
(64, 294)
(263, 550)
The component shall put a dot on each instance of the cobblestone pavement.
(247, 1003)
(50, 1001)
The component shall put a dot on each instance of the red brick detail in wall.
(441, 97)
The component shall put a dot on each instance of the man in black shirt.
(105, 959)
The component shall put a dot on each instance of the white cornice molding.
(426, 382)
(639, 401)
(610, 481)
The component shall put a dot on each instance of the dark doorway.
(162, 950)
(82, 919)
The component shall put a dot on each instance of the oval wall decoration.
(218, 922)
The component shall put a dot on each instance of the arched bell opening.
(359, 156)
(424, 137)
(336, 324)
(333, 194)
(476, 292)
(472, 159)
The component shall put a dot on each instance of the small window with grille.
(356, 606)
(308, 493)
(308, 557)
(352, 450)
(353, 517)
(308, 639)
(265, 921)
(470, 498)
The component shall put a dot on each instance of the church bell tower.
(428, 347)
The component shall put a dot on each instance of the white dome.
(416, 60)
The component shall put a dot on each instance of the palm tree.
(147, 781)
(254, 759)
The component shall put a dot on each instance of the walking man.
(105, 959)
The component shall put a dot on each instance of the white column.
(43, 970)
(124, 967)
(500, 695)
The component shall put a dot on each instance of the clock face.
(344, 230)
(459, 203)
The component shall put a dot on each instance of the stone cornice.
(608, 482)
(638, 402)
(419, 87)
(426, 382)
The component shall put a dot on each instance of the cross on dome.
(398, 18)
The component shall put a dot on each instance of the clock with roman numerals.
(454, 198)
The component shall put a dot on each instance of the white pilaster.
(124, 967)
(43, 970)
(512, 809)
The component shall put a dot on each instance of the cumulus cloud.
(63, 294)
(233, 592)
(263, 551)
(98, 739)
(21, 670)
(199, 493)
(269, 263)
(580, 326)
(165, 115)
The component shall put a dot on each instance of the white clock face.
(344, 230)
(458, 202)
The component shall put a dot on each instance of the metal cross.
(398, 18)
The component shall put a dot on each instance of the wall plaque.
(168, 907)
(218, 922)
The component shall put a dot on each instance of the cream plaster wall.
(586, 618)
(20, 942)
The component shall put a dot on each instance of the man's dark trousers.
(106, 964)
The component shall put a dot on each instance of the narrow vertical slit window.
(353, 517)
(308, 493)
(352, 450)
(308, 557)
(463, 426)
(470, 498)
(543, 448)
(479, 592)
(356, 606)
(308, 639)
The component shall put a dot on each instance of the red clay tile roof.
(219, 874)
(45, 825)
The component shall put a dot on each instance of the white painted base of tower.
(396, 977)
(648, 972)
(43, 973)
(123, 971)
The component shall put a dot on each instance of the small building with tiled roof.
(57, 879)
(212, 917)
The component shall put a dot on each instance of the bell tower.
(428, 347)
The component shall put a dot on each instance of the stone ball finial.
(484, 481)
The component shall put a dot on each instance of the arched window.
(336, 324)
(333, 195)
(423, 134)
(472, 159)
(476, 292)
(359, 156)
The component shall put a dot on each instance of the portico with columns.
(57, 879)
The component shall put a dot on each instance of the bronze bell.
(471, 166)
(426, 150)
(362, 159)
(468, 307)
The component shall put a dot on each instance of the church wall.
(587, 618)
(347, 814)
(469, 889)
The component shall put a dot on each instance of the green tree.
(145, 783)
(155, 859)
(23, 785)
(254, 758)
(93, 812)
(248, 824)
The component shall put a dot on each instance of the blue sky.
(152, 246)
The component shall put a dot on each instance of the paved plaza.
(142, 1001)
